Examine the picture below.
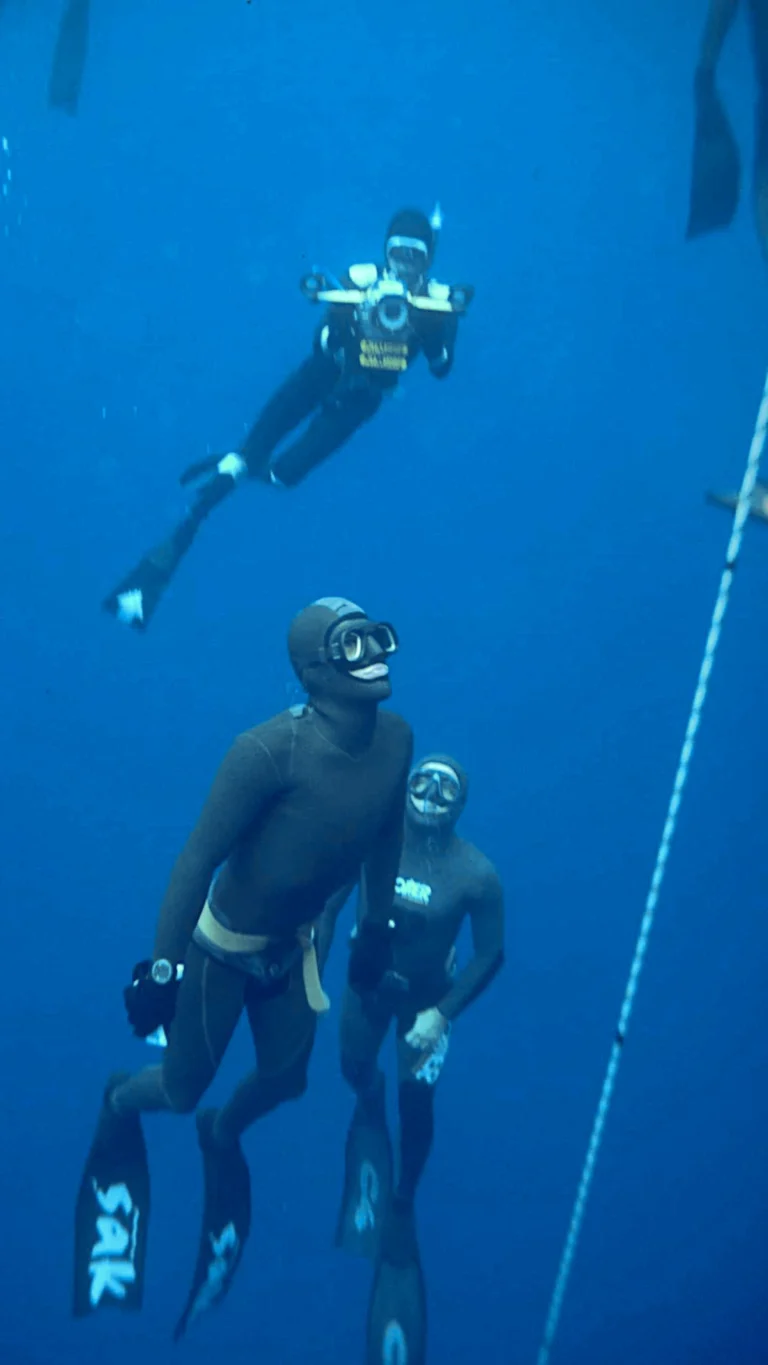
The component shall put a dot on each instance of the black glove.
(370, 955)
(150, 1001)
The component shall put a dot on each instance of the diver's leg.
(368, 1151)
(137, 596)
(416, 1101)
(362, 1030)
(417, 1129)
(113, 1204)
(340, 417)
(397, 1309)
(295, 400)
(303, 391)
(283, 1029)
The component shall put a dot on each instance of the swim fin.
(716, 172)
(226, 1222)
(137, 596)
(69, 57)
(758, 503)
(397, 1311)
(112, 1215)
(367, 1175)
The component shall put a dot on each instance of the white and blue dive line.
(641, 947)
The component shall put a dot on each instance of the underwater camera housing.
(386, 307)
(385, 304)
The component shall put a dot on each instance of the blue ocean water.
(536, 529)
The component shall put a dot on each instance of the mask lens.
(420, 784)
(352, 646)
(450, 791)
(385, 637)
(435, 783)
(407, 255)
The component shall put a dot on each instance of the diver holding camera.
(378, 320)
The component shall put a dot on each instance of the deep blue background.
(535, 527)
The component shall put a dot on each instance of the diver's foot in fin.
(758, 502)
(226, 1221)
(716, 172)
(367, 1176)
(112, 1214)
(397, 1312)
(136, 598)
(224, 471)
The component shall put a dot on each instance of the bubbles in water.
(6, 188)
(6, 178)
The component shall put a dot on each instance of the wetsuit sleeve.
(325, 926)
(439, 343)
(247, 781)
(487, 919)
(334, 331)
(382, 867)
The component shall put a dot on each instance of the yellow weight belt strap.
(238, 944)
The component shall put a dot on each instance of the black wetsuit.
(438, 886)
(340, 385)
(355, 360)
(296, 806)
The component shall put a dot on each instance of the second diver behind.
(442, 881)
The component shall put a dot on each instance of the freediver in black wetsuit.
(299, 804)
(716, 173)
(378, 320)
(442, 881)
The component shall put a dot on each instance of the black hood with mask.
(415, 224)
(319, 675)
(443, 815)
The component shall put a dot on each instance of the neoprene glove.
(370, 955)
(150, 1003)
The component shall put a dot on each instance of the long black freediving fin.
(112, 1215)
(69, 57)
(137, 596)
(716, 169)
(367, 1176)
(397, 1310)
(226, 1222)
